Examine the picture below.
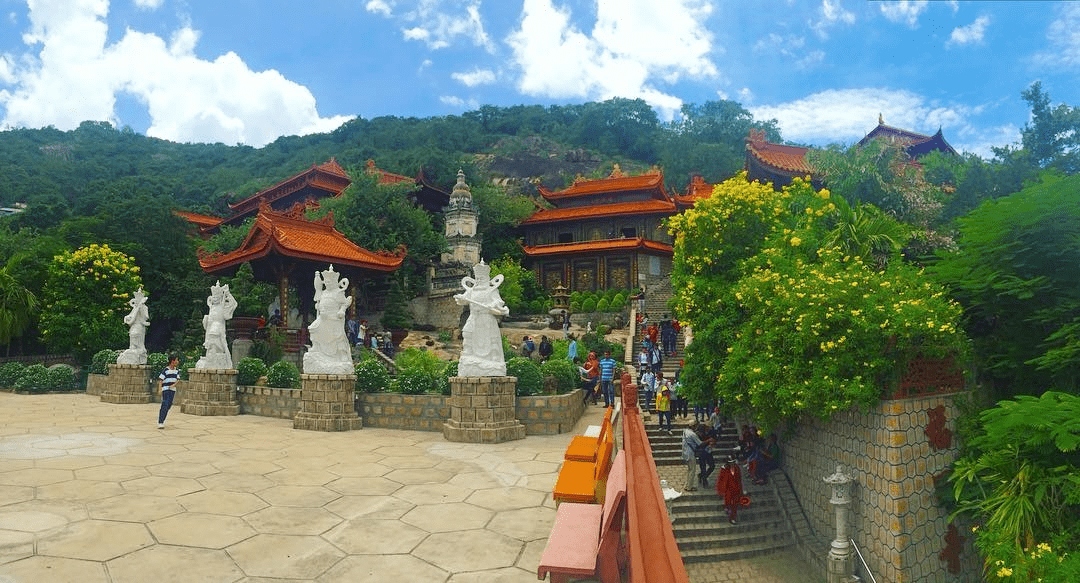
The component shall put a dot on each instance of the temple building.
(602, 234)
(426, 196)
(308, 187)
(780, 163)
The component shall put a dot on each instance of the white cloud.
(972, 33)
(1064, 37)
(379, 7)
(630, 46)
(76, 76)
(831, 13)
(475, 77)
(438, 26)
(790, 46)
(459, 103)
(149, 4)
(904, 11)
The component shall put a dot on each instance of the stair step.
(709, 555)
(725, 540)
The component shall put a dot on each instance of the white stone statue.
(137, 320)
(329, 352)
(481, 345)
(222, 304)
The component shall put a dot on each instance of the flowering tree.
(85, 299)
(786, 319)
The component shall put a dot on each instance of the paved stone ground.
(93, 492)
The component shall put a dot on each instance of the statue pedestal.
(482, 410)
(210, 391)
(326, 403)
(127, 384)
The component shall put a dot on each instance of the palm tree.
(867, 232)
(17, 306)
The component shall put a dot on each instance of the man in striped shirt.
(607, 378)
(167, 387)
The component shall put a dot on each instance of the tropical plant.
(17, 306)
(85, 300)
(530, 381)
(283, 375)
(450, 371)
(249, 370)
(371, 375)
(565, 373)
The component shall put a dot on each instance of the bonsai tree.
(397, 315)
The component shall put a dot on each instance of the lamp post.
(840, 565)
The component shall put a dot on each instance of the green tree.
(85, 300)
(1015, 274)
(500, 214)
(1052, 137)
(17, 306)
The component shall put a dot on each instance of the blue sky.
(248, 71)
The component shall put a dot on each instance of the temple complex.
(308, 187)
(602, 234)
(426, 196)
(780, 163)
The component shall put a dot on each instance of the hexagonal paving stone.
(241, 466)
(530, 557)
(169, 563)
(364, 486)
(419, 476)
(191, 529)
(182, 470)
(433, 493)
(378, 569)
(133, 508)
(353, 507)
(95, 540)
(481, 480)
(79, 490)
(375, 537)
(301, 477)
(525, 524)
(15, 545)
(359, 469)
(504, 575)
(511, 498)
(305, 496)
(70, 462)
(35, 477)
(530, 467)
(284, 556)
(448, 517)
(236, 482)
(54, 570)
(222, 502)
(473, 550)
(31, 520)
(410, 462)
(540, 482)
(15, 494)
(112, 473)
(293, 520)
(137, 459)
(162, 486)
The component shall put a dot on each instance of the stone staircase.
(700, 523)
(656, 305)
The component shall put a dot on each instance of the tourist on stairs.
(729, 486)
(691, 443)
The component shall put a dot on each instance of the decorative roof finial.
(880, 120)
(461, 193)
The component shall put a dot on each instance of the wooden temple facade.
(606, 233)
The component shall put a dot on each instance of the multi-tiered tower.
(461, 219)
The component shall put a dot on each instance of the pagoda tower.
(461, 220)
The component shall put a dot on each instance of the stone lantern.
(561, 297)
(840, 564)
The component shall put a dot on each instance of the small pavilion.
(285, 248)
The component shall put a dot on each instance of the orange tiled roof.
(695, 191)
(385, 177)
(618, 182)
(915, 143)
(639, 207)
(198, 220)
(328, 176)
(289, 234)
(790, 159)
(635, 244)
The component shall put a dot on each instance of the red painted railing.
(654, 556)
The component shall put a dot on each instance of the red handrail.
(654, 556)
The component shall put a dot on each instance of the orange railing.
(654, 556)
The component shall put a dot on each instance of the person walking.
(705, 459)
(607, 378)
(663, 407)
(167, 387)
(690, 445)
(729, 486)
(545, 349)
(571, 349)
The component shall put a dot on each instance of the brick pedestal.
(210, 392)
(126, 384)
(326, 403)
(482, 410)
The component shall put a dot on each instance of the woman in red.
(729, 485)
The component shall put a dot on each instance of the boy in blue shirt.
(607, 378)
(167, 386)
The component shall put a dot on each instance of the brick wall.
(396, 411)
(550, 414)
(268, 402)
(893, 452)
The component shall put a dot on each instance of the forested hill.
(74, 172)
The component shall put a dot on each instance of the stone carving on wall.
(481, 346)
(137, 320)
(222, 304)
(329, 352)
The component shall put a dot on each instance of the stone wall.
(95, 383)
(550, 414)
(268, 402)
(440, 311)
(894, 452)
(397, 411)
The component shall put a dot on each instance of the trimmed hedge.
(249, 369)
(530, 381)
(283, 375)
